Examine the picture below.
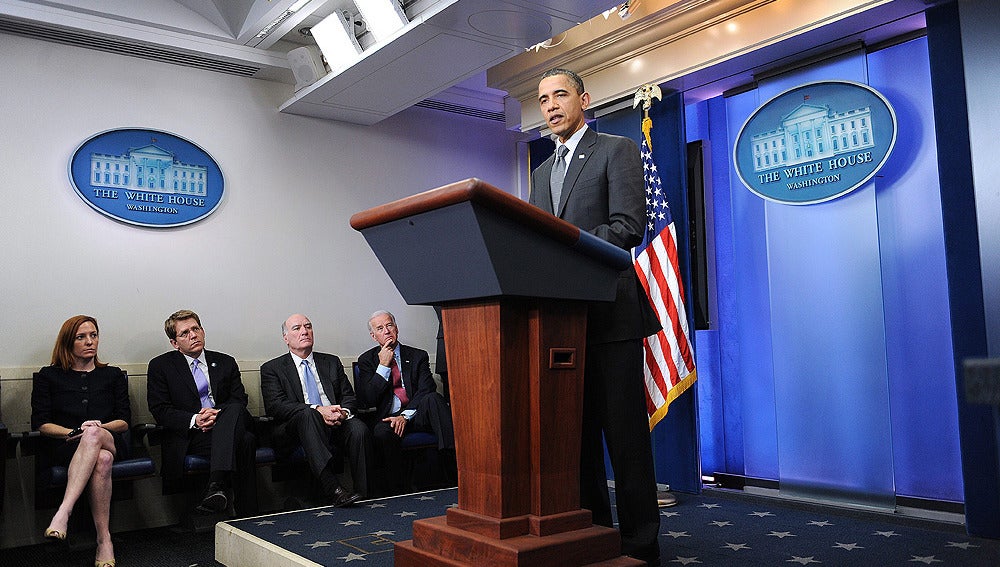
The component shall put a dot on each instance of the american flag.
(669, 361)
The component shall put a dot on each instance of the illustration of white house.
(149, 168)
(812, 132)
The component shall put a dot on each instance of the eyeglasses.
(188, 333)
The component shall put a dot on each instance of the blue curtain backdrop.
(831, 368)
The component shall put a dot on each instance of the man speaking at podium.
(595, 181)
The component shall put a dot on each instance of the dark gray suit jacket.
(282, 391)
(604, 194)
(173, 398)
(376, 391)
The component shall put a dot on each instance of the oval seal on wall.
(815, 142)
(146, 177)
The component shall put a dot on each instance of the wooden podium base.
(436, 543)
(518, 449)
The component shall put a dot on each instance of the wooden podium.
(512, 281)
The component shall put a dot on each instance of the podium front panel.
(467, 251)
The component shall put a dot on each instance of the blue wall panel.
(725, 297)
(922, 397)
(828, 335)
(747, 317)
(711, 408)
(834, 345)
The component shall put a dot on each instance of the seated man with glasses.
(197, 396)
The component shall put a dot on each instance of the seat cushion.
(195, 463)
(418, 439)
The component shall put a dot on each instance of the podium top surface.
(483, 194)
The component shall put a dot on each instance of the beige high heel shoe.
(104, 563)
(51, 533)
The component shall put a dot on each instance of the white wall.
(279, 243)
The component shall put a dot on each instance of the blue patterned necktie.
(557, 176)
(312, 390)
(201, 381)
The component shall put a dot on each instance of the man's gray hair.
(379, 313)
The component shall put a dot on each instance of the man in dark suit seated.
(198, 398)
(595, 181)
(396, 379)
(313, 404)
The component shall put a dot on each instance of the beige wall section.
(279, 243)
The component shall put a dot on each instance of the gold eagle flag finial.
(645, 95)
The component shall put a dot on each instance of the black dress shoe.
(215, 499)
(343, 498)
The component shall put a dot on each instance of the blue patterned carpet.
(330, 536)
(708, 529)
(716, 528)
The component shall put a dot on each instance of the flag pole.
(669, 366)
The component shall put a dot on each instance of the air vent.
(132, 49)
(458, 109)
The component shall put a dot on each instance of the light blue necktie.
(201, 381)
(312, 390)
